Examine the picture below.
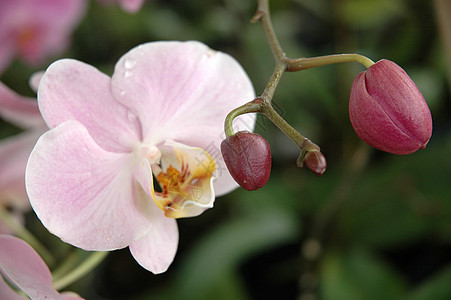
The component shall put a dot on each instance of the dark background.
(374, 226)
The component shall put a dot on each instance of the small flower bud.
(248, 159)
(388, 111)
(316, 162)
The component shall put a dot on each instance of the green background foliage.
(383, 222)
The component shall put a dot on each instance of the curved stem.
(302, 142)
(69, 263)
(253, 106)
(303, 63)
(85, 267)
(263, 103)
(18, 229)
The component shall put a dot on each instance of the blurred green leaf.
(398, 201)
(401, 199)
(358, 275)
(369, 13)
(430, 85)
(437, 287)
(221, 251)
(175, 26)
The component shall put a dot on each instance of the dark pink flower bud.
(388, 111)
(316, 162)
(248, 158)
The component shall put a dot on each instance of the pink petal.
(6, 54)
(25, 269)
(39, 28)
(57, 20)
(6, 292)
(7, 40)
(82, 193)
(183, 91)
(145, 193)
(64, 14)
(19, 110)
(143, 175)
(131, 6)
(14, 153)
(156, 250)
(72, 90)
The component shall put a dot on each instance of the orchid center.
(172, 180)
(185, 176)
(150, 152)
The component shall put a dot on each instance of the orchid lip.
(184, 174)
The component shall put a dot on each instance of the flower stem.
(69, 263)
(85, 267)
(252, 106)
(262, 104)
(302, 142)
(264, 17)
(18, 229)
(303, 63)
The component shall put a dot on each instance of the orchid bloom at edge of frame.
(25, 270)
(34, 30)
(14, 150)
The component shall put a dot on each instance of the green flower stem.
(299, 64)
(271, 87)
(253, 106)
(19, 230)
(68, 264)
(264, 17)
(262, 104)
(85, 267)
(259, 105)
(302, 142)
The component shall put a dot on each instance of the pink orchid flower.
(25, 270)
(36, 29)
(90, 178)
(15, 150)
(131, 6)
